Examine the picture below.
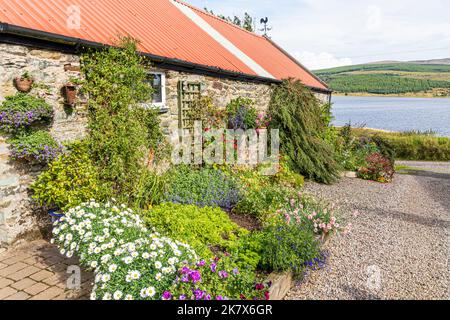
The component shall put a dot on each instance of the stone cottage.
(193, 53)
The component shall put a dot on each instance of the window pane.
(156, 82)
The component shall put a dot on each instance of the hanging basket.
(23, 84)
(70, 94)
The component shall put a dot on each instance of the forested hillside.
(390, 79)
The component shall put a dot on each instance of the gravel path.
(399, 247)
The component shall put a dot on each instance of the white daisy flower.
(129, 297)
(150, 292)
(107, 296)
(158, 276)
(143, 293)
(118, 295)
(106, 278)
(112, 268)
(158, 265)
(128, 260)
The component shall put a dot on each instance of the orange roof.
(163, 30)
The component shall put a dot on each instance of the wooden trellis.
(188, 94)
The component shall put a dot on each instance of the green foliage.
(297, 114)
(22, 110)
(287, 247)
(69, 180)
(246, 22)
(205, 229)
(148, 190)
(205, 187)
(421, 146)
(261, 202)
(119, 128)
(242, 114)
(286, 177)
(204, 110)
(353, 151)
(370, 79)
(248, 253)
(36, 147)
(382, 84)
(407, 67)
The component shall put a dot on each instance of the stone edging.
(282, 283)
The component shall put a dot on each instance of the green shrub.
(297, 114)
(248, 252)
(149, 189)
(287, 177)
(261, 202)
(205, 229)
(287, 247)
(204, 187)
(69, 180)
(37, 147)
(129, 261)
(22, 110)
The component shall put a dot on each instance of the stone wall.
(17, 219)
(222, 91)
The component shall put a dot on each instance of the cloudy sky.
(329, 33)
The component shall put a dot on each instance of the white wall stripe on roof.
(205, 26)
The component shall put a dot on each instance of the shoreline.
(362, 95)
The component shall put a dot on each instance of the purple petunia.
(223, 274)
(167, 295)
(195, 276)
(213, 267)
(199, 294)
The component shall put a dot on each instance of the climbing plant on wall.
(121, 130)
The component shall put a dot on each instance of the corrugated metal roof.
(162, 29)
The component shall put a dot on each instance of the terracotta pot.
(70, 94)
(23, 84)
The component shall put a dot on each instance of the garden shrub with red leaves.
(379, 168)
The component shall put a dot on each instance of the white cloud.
(323, 60)
(364, 31)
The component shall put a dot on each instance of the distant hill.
(430, 78)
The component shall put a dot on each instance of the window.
(158, 82)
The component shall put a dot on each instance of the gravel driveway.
(399, 247)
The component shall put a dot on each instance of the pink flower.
(310, 217)
(287, 217)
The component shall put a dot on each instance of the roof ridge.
(218, 18)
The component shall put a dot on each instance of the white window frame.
(160, 105)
